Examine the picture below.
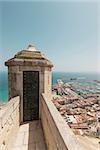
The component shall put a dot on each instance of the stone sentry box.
(24, 69)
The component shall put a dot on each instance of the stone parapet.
(9, 123)
(57, 133)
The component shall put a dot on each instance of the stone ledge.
(9, 123)
(62, 135)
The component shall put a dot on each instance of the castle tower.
(29, 75)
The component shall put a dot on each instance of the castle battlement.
(30, 121)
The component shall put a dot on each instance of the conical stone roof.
(29, 57)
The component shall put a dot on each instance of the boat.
(73, 78)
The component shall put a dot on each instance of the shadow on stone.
(36, 139)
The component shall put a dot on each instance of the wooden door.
(30, 95)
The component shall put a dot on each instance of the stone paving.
(30, 137)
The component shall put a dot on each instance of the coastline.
(64, 76)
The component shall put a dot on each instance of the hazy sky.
(67, 32)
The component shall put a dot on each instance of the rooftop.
(30, 54)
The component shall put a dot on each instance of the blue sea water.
(65, 76)
(3, 87)
(81, 77)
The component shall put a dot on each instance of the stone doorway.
(30, 95)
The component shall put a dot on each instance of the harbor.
(81, 111)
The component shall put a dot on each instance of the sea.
(64, 76)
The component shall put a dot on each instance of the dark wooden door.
(30, 95)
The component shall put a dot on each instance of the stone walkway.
(89, 142)
(30, 137)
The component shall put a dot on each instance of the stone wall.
(47, 81)
(15, 82)
(57, 133)
(9, 123)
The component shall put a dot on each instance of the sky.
(67, 32)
